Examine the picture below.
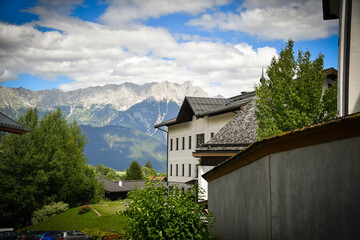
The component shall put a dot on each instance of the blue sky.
(219, 45)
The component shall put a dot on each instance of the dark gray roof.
(9, 125)
(127, 185)
(111, 186)
(236, 134)
(201, 107)
(200, 104)
(166, 123)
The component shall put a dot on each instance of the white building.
(198, 120)
(348, 13)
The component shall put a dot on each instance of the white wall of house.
(202, 182)
(349, 61)
(182, 158)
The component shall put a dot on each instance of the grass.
(71, 219)
(108, 207)
(121, 173)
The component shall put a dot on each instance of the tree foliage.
(148, 172)
(148, 164)
(107, 173)
(292, 97)
(155, 215)
(134, 171)
(43, 166)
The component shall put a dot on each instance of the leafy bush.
(84, 209)
(153, 214)
(96, 234)
(48, 211)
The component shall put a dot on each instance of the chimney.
(120, 183)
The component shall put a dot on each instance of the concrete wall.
(205, 125)
(306, 193)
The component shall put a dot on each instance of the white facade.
(182, 166)
(349, 57)
(203, 184)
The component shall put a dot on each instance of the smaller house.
(115, 190)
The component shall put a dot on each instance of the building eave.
(331, 9)
(329, 131)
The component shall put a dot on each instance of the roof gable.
(201, 107)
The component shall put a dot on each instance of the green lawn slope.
(72, 220)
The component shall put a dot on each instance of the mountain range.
(118, 120)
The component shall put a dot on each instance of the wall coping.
(333, 130)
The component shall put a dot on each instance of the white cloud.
(276, 19)
(93, 54)
(124, 12)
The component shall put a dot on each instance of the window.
(189, 142)
(183, 143)
(211, 134)
(196, 170)
(171, 144)
(170, 169)
(199, 139)
(177, 170)
(183, 170)
(189, 170)
(177, 144)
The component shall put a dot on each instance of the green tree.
(134, 171)
(43, 166)
(148, 172)
(148, 164)
(153, 214)
(107, 173)
(292, 97)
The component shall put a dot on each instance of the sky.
(219, 45)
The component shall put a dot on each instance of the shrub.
(84, 209)
(153, 214)
(48, 211)
(96, 234)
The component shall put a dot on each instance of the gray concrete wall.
(240, 203)
(306, 193)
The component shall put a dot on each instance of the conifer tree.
(134, 171)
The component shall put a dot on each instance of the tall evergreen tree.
(148, 164)
(43, 166)
(292, 97)
(134, 171)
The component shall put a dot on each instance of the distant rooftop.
(11, 126)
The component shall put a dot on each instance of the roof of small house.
(126, 185)
(9, 125)
(236, 134)
(111, 186)
(201, 107)
(336, 129)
